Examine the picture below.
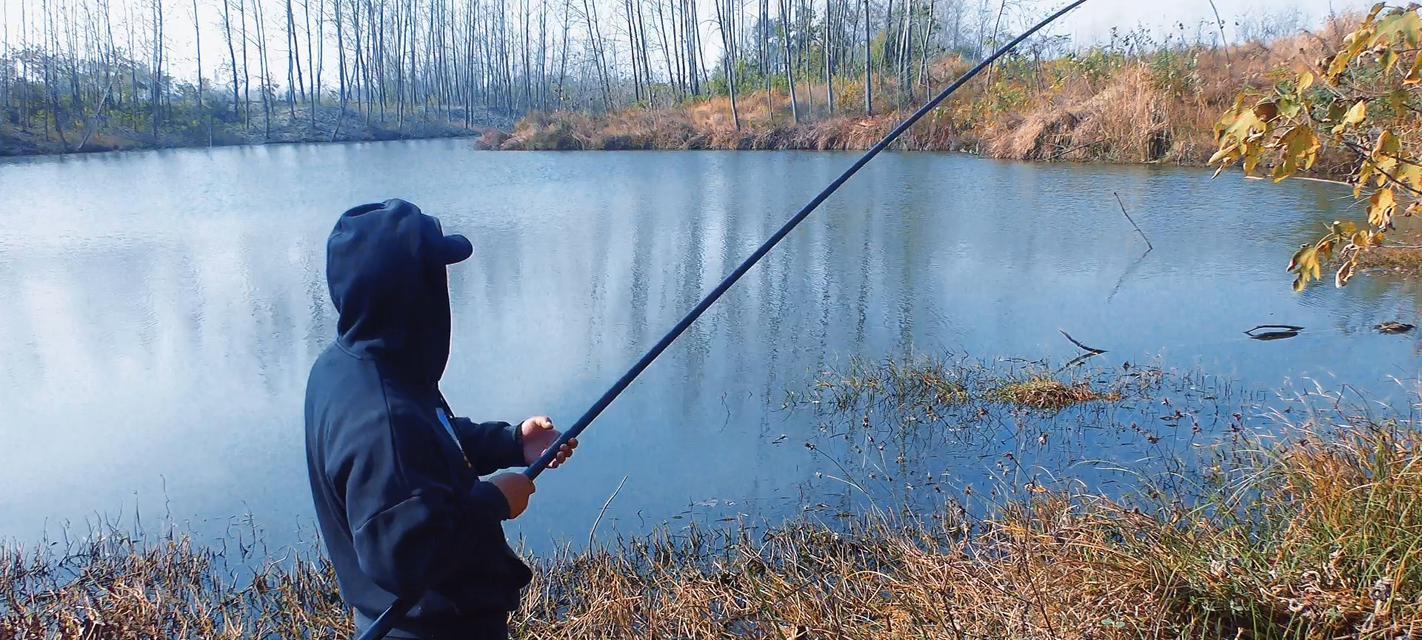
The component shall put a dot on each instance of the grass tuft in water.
(1049, 394)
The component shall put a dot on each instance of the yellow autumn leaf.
(1387, 145)
(1298, 149)
(1237, 134)
(1366, 239)
(1365, 173)
(1401, 27)
(1355, 116)
(1305, 81)
(1414, 74)
(1301, 258)
(1409, 174)
(1380, 208)
(1353, 45)
(1253, 154)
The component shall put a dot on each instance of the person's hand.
(516, 488)
(538, 434)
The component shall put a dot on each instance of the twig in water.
(1125, 274)
(593, 531)
(1280, 331)
(1285, 327)
(1133, 220)
(1094, 351)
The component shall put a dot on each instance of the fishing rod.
(387, 620)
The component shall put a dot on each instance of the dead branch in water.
(1094, 351)
(1150, 246)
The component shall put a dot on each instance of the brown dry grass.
(1314, 538)
(1050, 394)
(113, 586)
(1158, 107)
(1313, 531)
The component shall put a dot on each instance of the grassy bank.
(1097, 105)
(1310, 531)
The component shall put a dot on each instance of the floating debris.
(1275, 331)
(1394, 327)
(1090, 352)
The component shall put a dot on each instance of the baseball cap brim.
(455, 248)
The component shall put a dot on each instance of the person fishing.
(394, 475)
(390, 619)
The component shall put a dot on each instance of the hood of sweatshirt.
(387, 270)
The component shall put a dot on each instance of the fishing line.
(387, 620)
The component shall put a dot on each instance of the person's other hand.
(539, 434)
(516, 488)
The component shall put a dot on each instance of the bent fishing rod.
(391, 616)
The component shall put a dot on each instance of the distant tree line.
(73, 69)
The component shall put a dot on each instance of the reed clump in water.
(927, 384)
(1049, 394)
(928, 389)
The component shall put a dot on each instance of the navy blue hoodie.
(398, 497)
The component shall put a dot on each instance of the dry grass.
(114, 586)
(1096, 106)
(1311, 531)
(1050, 394)
(1316, 538)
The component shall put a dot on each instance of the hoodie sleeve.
(489, 446)
(413, 526)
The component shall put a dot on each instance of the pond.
(162, 310)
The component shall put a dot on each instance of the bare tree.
(868, 62)
(231, 53)
(789, 61)
(197, 45)
(728, 57)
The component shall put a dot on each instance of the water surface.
(162, 309)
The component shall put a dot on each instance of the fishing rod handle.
(387, 619)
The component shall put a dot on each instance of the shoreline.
(1305, 529)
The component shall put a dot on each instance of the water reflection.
(163, 308)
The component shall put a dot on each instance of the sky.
(1092, 23)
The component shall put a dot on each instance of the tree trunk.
(868, 63)
(231, 54)
(829, 61)
(197, 46)
(789, 61)
(728, 60)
